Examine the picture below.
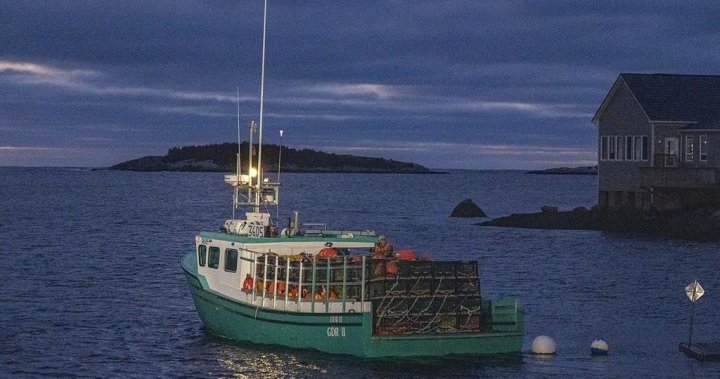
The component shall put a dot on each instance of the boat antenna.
(280, 154)
(262, 97)
(238, 170)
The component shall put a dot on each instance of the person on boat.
(382, 249)
(328, 251)
(248, 283)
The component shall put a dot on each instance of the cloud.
(379, 91)
(89, 82)
(38, 74)
(30, 148)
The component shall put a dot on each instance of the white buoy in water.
(543, 345)
(599, 347)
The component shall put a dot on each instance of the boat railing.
(405, 297)
(335, 284)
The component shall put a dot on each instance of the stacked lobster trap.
(426, 297)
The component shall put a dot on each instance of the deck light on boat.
(253, 172)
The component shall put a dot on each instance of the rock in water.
(467, 208)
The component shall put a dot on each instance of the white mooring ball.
(543, 345)
(599, 347)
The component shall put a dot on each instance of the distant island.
(587, 170)
(223, 158)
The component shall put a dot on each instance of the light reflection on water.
(92, 283)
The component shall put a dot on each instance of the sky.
(446, 84)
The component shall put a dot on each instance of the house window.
(637, 147)
(202, 254)
(689, 148)
(612, 153)
(645, 148)
(629, 148)
(619, 144)
(214, 258)
(603, 148)
(231, 256)
(702, 140)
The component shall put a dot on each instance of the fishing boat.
(306, 285)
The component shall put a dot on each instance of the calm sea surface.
(92, 284)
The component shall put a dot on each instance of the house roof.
(703, 125)
(673, 98)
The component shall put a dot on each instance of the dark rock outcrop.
(467, 208)
(587, 170)
(691, 225)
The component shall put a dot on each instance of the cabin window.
(645, 148)
(214, 258)
(603, 148)
(613, 151)
(619, 144)
(231, 258)
(703, 148)
(689, 148)
(202, 254)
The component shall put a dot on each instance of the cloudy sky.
(447, 84)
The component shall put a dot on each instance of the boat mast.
(258, 193)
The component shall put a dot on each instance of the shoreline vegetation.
(701, 224)
(223, 158)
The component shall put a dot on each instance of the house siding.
(622, 117)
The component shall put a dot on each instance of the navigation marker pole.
(694, 291)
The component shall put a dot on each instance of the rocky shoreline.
(700, 224)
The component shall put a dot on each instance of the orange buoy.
(391, 268)
(248, 283)
(327, 252)
(406, 255)
(293, 291)
(280, 287)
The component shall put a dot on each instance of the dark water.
(92, 287)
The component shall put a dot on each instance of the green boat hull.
(338, 333)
